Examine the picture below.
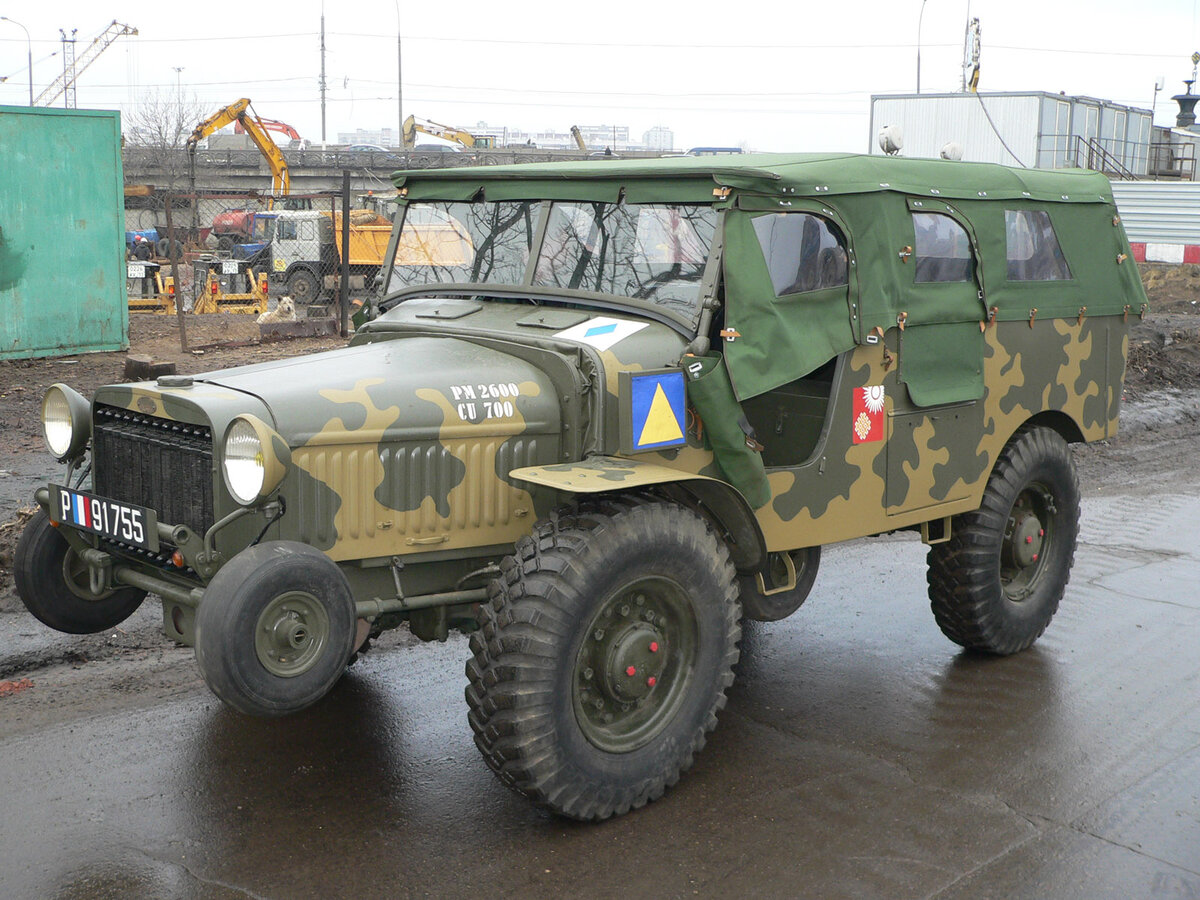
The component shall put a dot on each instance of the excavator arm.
(447, 132)
(241, 113)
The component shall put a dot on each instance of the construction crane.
(579, 141)
(240, 112)
(72, 69)
(447, 132)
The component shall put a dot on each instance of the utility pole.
(399, 80)
(322, 74)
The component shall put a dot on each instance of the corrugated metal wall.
(1165, 211)
(62, 242)
(931, 121)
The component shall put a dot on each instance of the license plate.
(136, 270)
(229, 267)
(119, 521)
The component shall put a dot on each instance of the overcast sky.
(771, 75)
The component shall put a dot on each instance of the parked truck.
(305, 248)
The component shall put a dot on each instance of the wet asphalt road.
(860, 755)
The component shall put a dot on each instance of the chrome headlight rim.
(254, 460)
(66, 421)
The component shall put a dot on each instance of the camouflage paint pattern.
(397, 448)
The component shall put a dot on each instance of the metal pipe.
(211, 533)
(365, 609)
(165, 589)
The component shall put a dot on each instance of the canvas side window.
(803, 252)
(286, 230)
(1033, 250)
(942, 249)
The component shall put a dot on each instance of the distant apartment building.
(596, 137)
(384, 137)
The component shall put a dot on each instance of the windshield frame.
(685, 320)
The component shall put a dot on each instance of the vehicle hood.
(408, 389)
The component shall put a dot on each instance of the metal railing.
(1090, 153)
(1173, 161)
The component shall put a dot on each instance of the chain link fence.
(279, 258)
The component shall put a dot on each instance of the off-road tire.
(303, 287)
(275, 629)
(761, 607)
(580, 572)
(996, 584)
(43, 564)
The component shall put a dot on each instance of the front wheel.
(275, 629)
(604, 655)
(53, 583)
(996, 584)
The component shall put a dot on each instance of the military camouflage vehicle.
(604, 412)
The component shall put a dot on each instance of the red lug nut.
(631, 671)
(652, 681)
(654, 646)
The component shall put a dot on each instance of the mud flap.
(725, 427)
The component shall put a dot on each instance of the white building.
(1033, 129)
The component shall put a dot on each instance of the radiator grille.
(157, 463)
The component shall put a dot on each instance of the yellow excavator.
(241, 113)
(447, 132)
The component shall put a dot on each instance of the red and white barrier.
(1176, 254)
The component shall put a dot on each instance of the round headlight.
(254, 461)
(66, 423)
(245, 467)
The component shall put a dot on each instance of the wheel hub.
(635, 659)
(1028, 534)
(292, 631)
(634, 665)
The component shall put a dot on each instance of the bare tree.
(155, 134)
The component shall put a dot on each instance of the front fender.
(718, 500)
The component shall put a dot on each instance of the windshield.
(644, 252)
(264, 228)
(464, 243)
(649, 252)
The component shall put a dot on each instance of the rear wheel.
(303, 287)
(996, 584)
(53, 583)
(275, 629)
(604, 656)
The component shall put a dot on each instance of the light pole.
(920, 18)
(29, 52)
(399, 78)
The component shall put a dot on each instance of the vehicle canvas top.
(872, 200)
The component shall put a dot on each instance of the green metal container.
(62, 242)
